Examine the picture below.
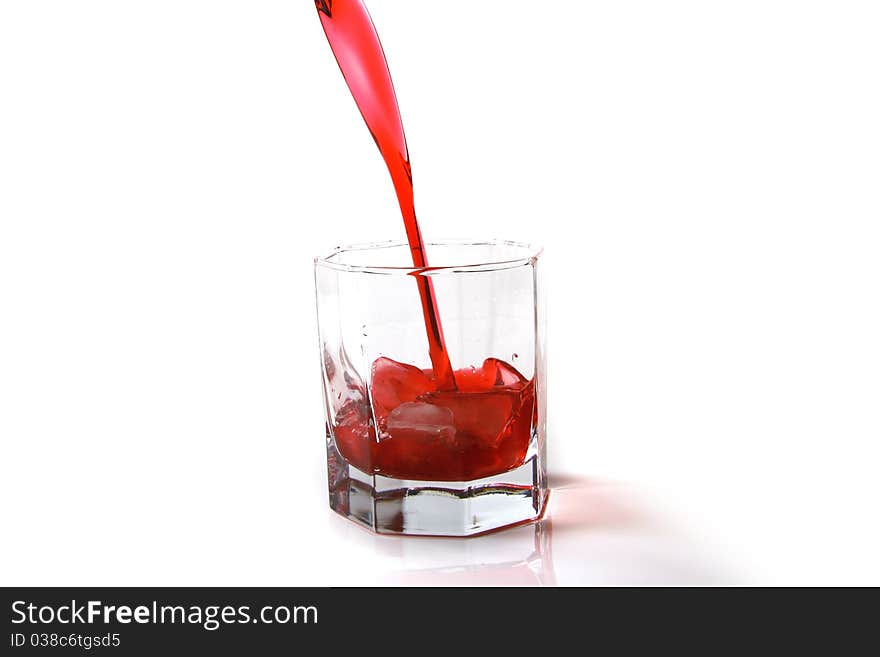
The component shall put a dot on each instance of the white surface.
(703, 175)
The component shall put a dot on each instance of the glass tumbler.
(411, 451)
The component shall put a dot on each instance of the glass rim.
(532, 253)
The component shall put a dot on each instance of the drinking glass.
(406, 452)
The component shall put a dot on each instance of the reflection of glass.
(407, 453)
(519, 557)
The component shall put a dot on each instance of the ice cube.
(502, 374)
(395, 384)
(354, 435)
(491, 374)
(421, 421)
(480, 416)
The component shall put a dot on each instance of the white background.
(704, 176)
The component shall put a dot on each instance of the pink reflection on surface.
(612, 533)
(594, 533)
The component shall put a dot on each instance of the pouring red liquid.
(359, 54)
(439, 424)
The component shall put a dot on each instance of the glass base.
(438, 508)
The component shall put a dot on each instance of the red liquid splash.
(425, 433)
(359, 54)
(433, 424)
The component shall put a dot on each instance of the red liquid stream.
(359, 54)
(434, 424)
